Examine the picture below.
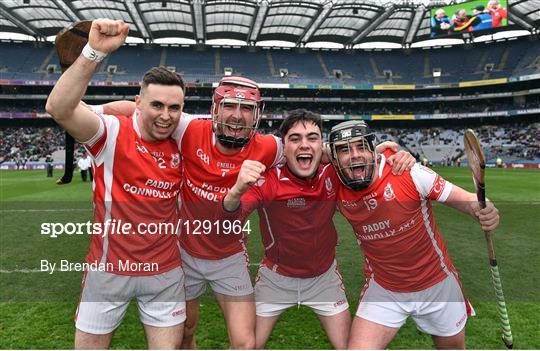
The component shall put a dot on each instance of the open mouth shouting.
(358, 171)
(304, 161)
(162, 127)
(234, 129)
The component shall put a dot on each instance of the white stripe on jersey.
(134, 118)
(180, 130)
(269, 229)
(324, 170)
(424, 179)
(279, 151)
(94, 139)
(107, 156)
(429, 230)
(382, 164)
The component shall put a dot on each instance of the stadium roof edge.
(343, 22)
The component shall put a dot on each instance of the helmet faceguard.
(352, 149)
(243, 95)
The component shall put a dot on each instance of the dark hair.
(163, 76)
(299, 115)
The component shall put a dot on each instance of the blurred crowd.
(21, 145)
(337, 108)
(511, 142)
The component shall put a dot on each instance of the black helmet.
(342, 137)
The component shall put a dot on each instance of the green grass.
(37, 309)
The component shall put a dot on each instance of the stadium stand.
(517, 143)
(257, 66)
(513, 143)
(30, 144)
(304, 66)
(336, 108)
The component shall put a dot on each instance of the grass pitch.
(37, 308)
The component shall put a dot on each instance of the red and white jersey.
(395, 226)
(208, 176)
(295, 219)
(497, 16)
(136, 187)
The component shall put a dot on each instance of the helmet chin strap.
(230, 142)
(364, 182)
(233, 142)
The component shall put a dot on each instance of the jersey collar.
(313, 181)
(134, 119)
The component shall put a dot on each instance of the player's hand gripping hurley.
(477, 162)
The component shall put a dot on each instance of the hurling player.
(296, 202)
(137, 176)
(213, 153)
(407, 266)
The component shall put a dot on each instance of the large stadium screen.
(471, 16)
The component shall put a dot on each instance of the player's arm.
(432, 186)
(121, 107)
(467, 202)
(401, 161)
(64, 101)
(249, 173)
(117, 108)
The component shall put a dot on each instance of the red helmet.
(239, 92)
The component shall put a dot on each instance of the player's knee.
(457, 345)
(260, 346)
(244, 345)
(357, 342)
(85, 341)
(455, 342)
(246, 342)
(340, 344)
(190, 326)
(188, 341)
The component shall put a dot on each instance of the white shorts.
(324, 294)
(440, 310)
(105, 298)
(228, 276)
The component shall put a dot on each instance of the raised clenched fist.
(249, 173)
(107, 35)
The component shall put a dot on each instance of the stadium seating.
(300, 65)
(458, 63)
(256, 66)
(191, 62)
(513, 143)
(22, 60)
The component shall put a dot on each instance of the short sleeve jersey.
(136, 187)
(295, 219)
(498, 16)
(208, 176)
(394, 225)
